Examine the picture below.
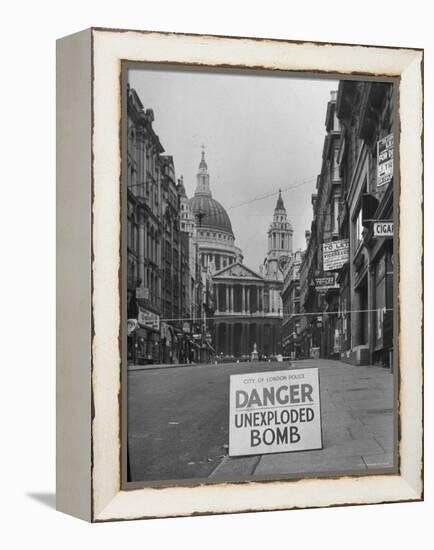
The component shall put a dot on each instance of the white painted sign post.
(274, 412)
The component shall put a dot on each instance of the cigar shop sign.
(383, 229)
(274, 412)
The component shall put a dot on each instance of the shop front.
(146, 338)
(383, 309)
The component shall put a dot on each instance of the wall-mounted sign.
(322, 284)
(335, 254)
(148, 319)
(274, 412)
(383, 229)
(384, 160)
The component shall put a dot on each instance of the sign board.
(335, 254)
(384, 160)
(383, 229)
(148, 319)
(274, 412)
(322, 284)
(142, 293)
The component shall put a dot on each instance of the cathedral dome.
(214, 216)
(212, 213)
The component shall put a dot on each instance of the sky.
(261, 132)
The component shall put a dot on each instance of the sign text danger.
(274, 412)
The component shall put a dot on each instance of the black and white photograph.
(258, 275)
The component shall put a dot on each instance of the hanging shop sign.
(148, 319)
(322, 284)
(383, 229)
(274, 412)
(384, 160)
(335, 254)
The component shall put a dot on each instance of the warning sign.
(274, 412)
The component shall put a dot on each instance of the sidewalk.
(132, 368)
(357, 426)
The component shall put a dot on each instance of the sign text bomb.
(274, 412)
(383, 229)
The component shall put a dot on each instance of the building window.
(135, 237)
(336, 123)
(130, 233)
(335, 165)
(358, 229)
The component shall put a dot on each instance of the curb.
(134, 368)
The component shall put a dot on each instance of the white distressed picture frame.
(88, 268)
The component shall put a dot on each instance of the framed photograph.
(239, 274)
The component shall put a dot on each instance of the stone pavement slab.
(386, 443)
(281, 465)
(235, 467)
(361, 432)
(382, 460)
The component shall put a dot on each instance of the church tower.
(279, 242)
(203, 187)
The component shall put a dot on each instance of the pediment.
(237, 271)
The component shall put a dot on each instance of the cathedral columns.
(227, 298)
(227, 343)
(217, 297)
(243, 338)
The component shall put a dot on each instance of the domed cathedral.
(248, 306)
(215, 238)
